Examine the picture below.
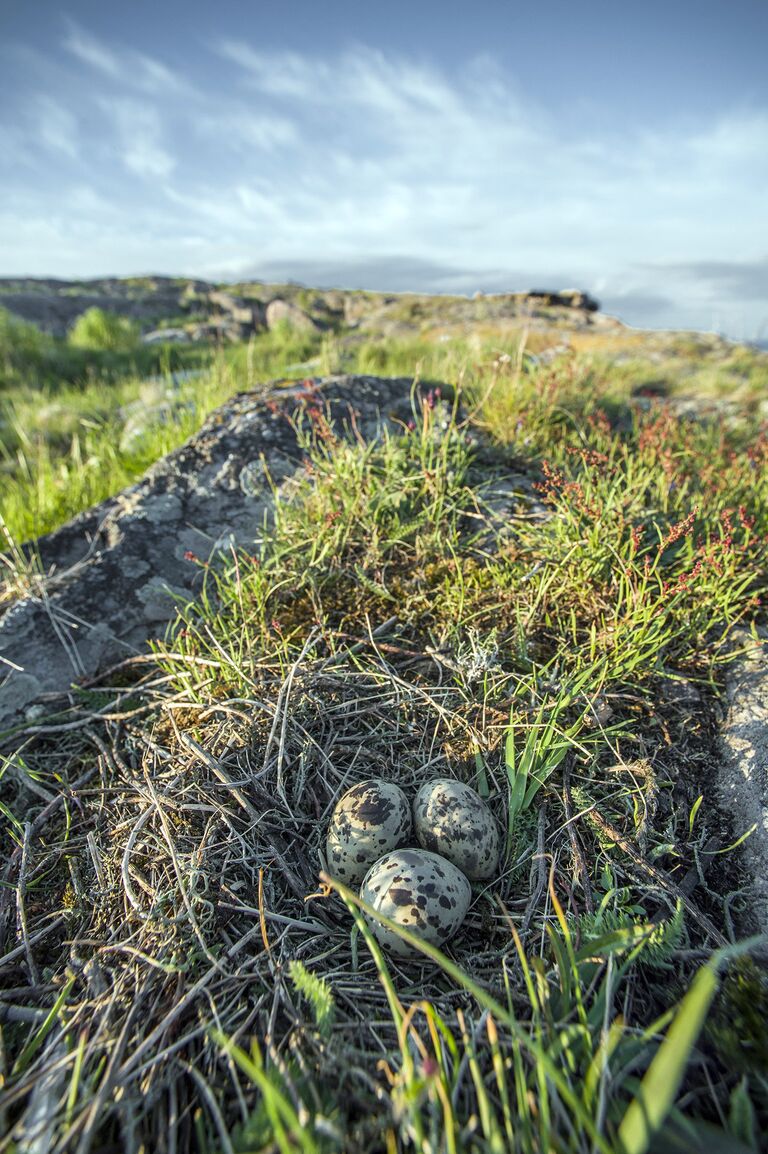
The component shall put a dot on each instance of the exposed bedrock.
(113, 575)
(742, 774)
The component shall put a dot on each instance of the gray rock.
(280, 312)
(166, 337)
(223, 330)
(247, 313)
(114, 574)
(742, 776)
(194, 291)
(565, 298)
(160, 599)
(54, 305)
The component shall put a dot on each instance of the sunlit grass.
(392, 619)
(64, 449)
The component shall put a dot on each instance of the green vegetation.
(104, 332)
(502, 589)
(34, 363)
(69, 445)
(28, 355)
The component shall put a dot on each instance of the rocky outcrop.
(219, 331)
(166, 337)
(54, 306)
(114, 575)
(280, 312)
(565, 298)
(232, 318)
(238, 310)
(742, 774)
(217, 313)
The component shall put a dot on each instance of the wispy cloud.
(361, 76)
(133, 69)
(450, 148)
(92, 52)
(82, 200)
(245, 130)
(323, 167)
(17, 152)
(57, 127)
(140, 138)
(278, 74)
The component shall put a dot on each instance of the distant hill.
(164, 302)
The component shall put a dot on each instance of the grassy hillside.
(534, 587)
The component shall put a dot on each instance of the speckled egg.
(370, 819)
(454, 821)
(420, 891)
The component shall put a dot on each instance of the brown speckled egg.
(454, 821)
(420, 891)
(370, 819)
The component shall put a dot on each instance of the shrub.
(21, 344)
(97, 329)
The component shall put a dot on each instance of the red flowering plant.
(661, 523)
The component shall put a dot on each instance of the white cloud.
(133, 69)
(140, 138)
(342, 161)
(243, 129)
(57, 127)
(154, 77)
(83, 200)
(279, 74)
(361, 76)
(17, 152)
(92, 52)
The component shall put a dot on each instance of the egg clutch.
(425, 890)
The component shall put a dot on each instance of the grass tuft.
(506, 589)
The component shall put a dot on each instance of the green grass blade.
(290, 1134)
(658, 1089)
(546, 1069)
(37, 1039)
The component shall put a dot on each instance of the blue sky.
(430, 146)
